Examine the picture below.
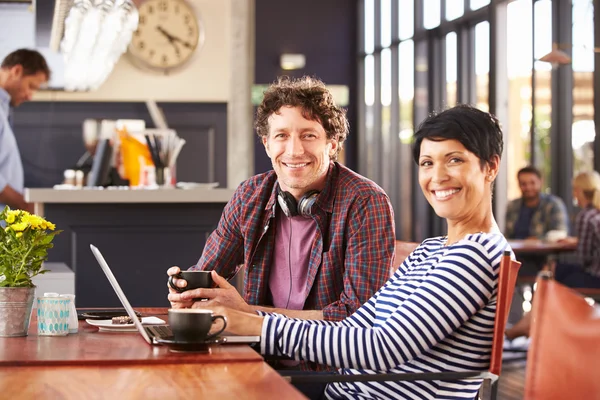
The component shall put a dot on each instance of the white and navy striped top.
(435, 314)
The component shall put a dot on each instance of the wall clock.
(169, 33)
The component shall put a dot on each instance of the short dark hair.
(32, 62)
(530, 169)
(478, 131)
(315, 100)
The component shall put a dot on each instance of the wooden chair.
(564, 354)
(506, 284)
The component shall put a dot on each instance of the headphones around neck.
(290, 208)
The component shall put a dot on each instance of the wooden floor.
(511, 385)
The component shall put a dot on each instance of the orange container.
(131, 151)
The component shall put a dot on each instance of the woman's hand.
(238, 322)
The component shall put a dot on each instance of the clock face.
(168, 34)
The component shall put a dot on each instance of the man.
(532, 216)
(316, 239)
(22, 73)
(536, 213)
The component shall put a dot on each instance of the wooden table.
(90, 346)
(240, 380)
(97, 365)
(540, 247)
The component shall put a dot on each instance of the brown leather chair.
(563, 361)
(507, 278)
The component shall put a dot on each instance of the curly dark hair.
(316, 102)
(32, 62)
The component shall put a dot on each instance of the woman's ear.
(493, 168)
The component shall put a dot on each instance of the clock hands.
(172, 39)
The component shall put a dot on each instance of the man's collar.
(4, 100)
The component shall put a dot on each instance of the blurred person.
(533, 215)
(22, 73)
(436, 313)
(316, 239)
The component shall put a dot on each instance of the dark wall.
(50, 138)
(325, 31)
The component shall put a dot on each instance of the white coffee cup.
(555, 235)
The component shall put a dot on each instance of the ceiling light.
(96, 33)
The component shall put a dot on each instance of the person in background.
(22, 73)
(316, 239)
(586, 272)
(437, 311)
(533, 215)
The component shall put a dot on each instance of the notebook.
(152, 333)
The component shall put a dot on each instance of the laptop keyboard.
(159, 331)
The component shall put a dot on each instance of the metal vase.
(15, 310)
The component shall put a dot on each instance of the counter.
(141, 233)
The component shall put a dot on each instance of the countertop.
(197, 195)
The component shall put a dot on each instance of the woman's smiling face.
(453, 180)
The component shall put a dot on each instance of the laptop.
(153, 333)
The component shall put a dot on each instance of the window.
(583, 132)
(451, 66)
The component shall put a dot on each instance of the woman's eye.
(425, 163)
(455, 160)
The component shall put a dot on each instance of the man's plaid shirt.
(352, 251)
(551, 214)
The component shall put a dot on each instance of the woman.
(586, 191)
(436, 313)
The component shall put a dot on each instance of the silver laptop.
(153, 332)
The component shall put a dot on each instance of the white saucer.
(106, 325)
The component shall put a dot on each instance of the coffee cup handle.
(172, 284)
(214, 335)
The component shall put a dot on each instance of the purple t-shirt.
(294, 239)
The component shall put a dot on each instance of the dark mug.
(193, 324)
(194, 279)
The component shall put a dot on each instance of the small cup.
(193, 324)
(53, 315)
(194, 279)
(555, 235)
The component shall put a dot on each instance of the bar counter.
(118, 195)
(141, 233)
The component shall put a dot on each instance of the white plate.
(108, 326)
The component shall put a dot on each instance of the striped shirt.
(587, 226)
(435, 314)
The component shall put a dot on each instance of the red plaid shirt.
(352, 252)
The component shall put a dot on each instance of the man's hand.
(224, 295)
(176, 299)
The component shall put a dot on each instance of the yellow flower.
(19, 226)
(10, 218)
(19, 234)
